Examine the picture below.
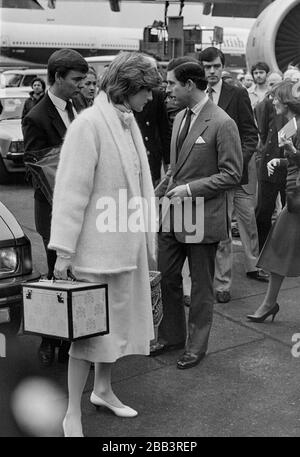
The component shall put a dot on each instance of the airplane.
(220, 8)
(34, 43)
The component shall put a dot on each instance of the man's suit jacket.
(42, 128)
(236, 102)
(156, 131)
(211, 162)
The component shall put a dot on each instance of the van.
(99, 63)
(22, 78)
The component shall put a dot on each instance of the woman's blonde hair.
(287, 93)
(127, 74)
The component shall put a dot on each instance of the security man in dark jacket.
(156, 130)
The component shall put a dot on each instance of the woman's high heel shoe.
(124, 411)
(272, 312)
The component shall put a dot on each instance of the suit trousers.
(243, 205)
(201, 259)
(42, 214)
(267, 195)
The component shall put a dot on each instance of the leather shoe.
(160, 348)
(259, 275)
(223, 296)
(46, 353)
(189, 360)
(63, 352)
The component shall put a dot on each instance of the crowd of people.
(212, 140)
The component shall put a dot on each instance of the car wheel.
(4, 175)
(12, 327)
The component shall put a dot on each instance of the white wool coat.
(95, 163)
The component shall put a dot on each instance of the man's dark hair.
(260, 66)
(212, 53)
(193, 71)
(40, 80)
(63, 61)
(179, 61)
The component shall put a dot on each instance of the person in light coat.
(99, 228)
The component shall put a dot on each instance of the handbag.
(42, 166)
(293, 198)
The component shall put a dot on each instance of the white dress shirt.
(60, 105)
(216, 91)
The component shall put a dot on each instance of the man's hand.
(178, 192)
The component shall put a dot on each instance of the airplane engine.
(275, 36)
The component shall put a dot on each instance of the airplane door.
(93, 45)
(5, 46)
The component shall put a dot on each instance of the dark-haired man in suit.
(236, 103)
(206, 160)
(44, 127)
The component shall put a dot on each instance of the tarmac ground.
(246, 386)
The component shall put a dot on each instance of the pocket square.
(199, 140)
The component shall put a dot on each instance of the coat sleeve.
(35, 137)
(230, 163)
(246, 126)
(165, 129)
(74, 183)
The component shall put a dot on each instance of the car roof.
(28, 71)
(94, 59)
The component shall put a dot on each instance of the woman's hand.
(63, 264)
(288, 145)
(272, 165)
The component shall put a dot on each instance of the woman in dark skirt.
(281, 252)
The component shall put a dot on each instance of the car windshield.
(12, 107)
(11, 80)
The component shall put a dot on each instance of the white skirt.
(130, 316)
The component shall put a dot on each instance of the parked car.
(15, 268)
(99, 63)
(11, 137)
(22, 78)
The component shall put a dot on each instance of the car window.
(29, 78)
(12, 108)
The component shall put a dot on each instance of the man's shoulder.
(235, 92)
(41, 109)
(218, 113)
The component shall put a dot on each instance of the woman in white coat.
(103, 181)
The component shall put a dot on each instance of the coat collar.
(114, 125)
(198, 127)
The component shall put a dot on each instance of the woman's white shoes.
(124, 411)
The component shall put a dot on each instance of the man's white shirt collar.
(216, 91)
(58, 102)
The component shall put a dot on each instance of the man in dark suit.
(235, 101)
(44, 127)
(206, 160)
(156, 130)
